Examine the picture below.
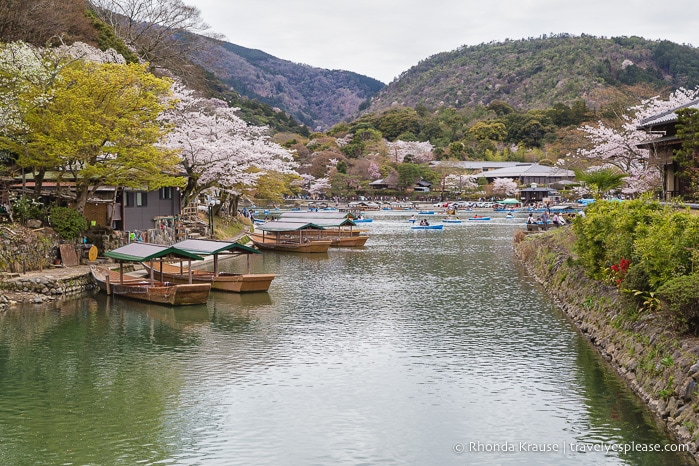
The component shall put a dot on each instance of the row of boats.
(172, 280)
(309, 232)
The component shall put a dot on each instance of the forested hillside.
(316, 97)
(538, 73)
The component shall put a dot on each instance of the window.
(141, 199)
(165, 193)
(128, 199)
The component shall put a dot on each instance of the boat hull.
(427, 227)
(224, 281)
(155, 292)
(270, 244)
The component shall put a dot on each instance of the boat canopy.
(284, 225)
(510, 200)
(208, 247)
(330, 222)
(314, 216)
(141, 252)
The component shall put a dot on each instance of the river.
(423, 347)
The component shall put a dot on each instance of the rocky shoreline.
(659, 365)
(45, 286)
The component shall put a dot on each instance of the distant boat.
(363, 220)
(290, 237)
(426, 212)
(479, 218)
(451, 220)
(427, 227)
(338, 227)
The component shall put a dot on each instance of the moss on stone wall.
(658, 363)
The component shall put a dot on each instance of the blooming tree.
(460, 183)
(218, 149)
(410, 151)
(619, 146)
(85, 116)
(374, 171)
(505, 187)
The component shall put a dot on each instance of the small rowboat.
(427, 227)
(363, 220)
(451, 220)
(479, 218)
(426, 212)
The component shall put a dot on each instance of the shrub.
(25, 208)
(68, 223)
(681, 297)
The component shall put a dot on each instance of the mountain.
(317, 97)
(539, 72)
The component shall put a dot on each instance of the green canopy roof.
(140, 252)
(206, 247)
(284, 225)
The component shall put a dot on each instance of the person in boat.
(412, 218)
(555, 219)
(530, 219)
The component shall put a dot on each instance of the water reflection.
(391, 353)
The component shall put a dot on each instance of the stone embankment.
(660, 366)
(41, 287)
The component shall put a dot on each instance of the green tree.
(101, 128)
(601, 181)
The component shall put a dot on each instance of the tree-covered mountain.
(540, 72)
(317, 97)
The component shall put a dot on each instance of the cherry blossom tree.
(618, 146)
(374, 171)
(410, 151)
(219, 150)
(505, 187)
(460, 183)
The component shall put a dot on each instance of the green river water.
(423, 347)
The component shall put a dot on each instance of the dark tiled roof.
(667, 116)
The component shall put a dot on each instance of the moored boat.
(221, 281)
(152, 291)
(335, 226)
(289, 237)
(148, 289)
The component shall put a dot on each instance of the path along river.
(424, 347)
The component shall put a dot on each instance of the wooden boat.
(451, 220)
(479, 218)
(426, 212)
(337, 227)
(111, 282)
(290, 237)
(427, 227)
(279, 243)
(363, 220)
(221, 281)
(148, 289)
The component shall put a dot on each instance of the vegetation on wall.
(648, 250)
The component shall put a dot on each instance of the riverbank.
(659, 365)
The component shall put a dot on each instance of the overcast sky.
(383, 38)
